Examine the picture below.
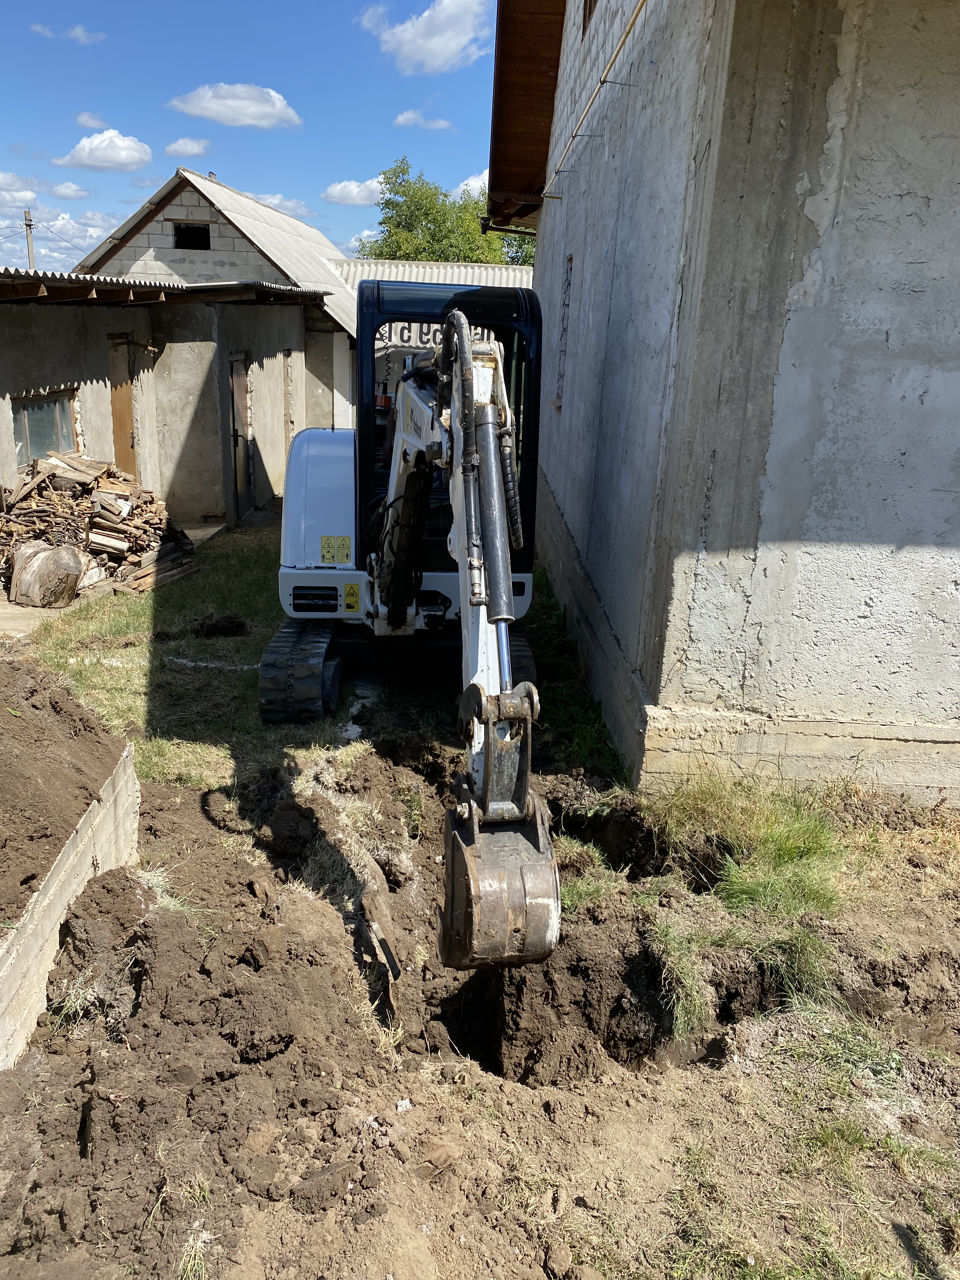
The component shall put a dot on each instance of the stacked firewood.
(126, 538)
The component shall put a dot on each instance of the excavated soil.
(55, 758)
(211, 1093)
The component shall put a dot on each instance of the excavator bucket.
(502, 903)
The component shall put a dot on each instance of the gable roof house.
(746, 259)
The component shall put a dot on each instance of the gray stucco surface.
(749, 495)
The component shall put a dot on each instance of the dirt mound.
(212, 1092)
(56, 756)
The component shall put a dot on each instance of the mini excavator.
(441, 465)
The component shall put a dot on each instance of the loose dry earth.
(224, 1087)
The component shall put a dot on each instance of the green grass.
(763, 847)
(839, 1050)
(191, 725)
(571, 729)
(839, 1140)
(683, 984)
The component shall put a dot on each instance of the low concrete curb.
(104, 838)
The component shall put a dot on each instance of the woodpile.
(122, 532)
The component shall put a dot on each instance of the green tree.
(421, 222)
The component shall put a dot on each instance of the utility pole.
(28, 226)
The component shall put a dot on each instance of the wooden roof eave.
(526, 66)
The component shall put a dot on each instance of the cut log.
(45, 577)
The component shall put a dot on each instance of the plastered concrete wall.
(190, 447)
(150, 255)
(769, 370)
(51, 349)
(616, 259)
(318, 373)
(834, 596)
(262, 335)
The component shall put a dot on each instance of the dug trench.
(225, 1085)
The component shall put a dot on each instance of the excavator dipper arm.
(502, 899)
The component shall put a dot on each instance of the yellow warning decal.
(351, 597)
(343, 551)
(328, 550)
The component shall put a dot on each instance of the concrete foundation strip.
(104, 838)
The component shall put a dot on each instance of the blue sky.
(303, 104)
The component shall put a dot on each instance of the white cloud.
(187, 147)
(83, 36)
(448, 34)
(238, 104)
(14, 191)
(285, 204)
(69, 191)
(474, 185)
(17, 199)
(350, 192)
(78, 33)
(417, 120)
(107, 150)
(90, 120)
(352, 247)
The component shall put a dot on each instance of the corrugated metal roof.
(353, 270)
(53, 286)
(16, 274)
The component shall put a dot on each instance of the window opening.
(42, 425)
(191, 235)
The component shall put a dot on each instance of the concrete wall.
(318, 372)
(612, 255)
(150, 254)
(52, 349)
(105, 838)
(188, 412)
(271, 338)
(765, 361)
(180, 359)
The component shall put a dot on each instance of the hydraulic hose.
(511, 491)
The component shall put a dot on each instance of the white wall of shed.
(262, 334)
(189, 429)
(48, 349)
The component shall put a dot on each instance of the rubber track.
(293, 682)
(522, 661)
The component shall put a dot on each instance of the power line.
(46, 225)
